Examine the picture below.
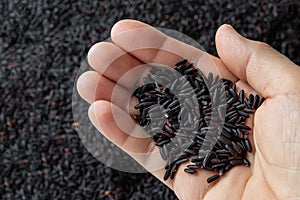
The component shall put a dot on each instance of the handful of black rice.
(195, 118)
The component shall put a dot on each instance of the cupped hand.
(254, 66)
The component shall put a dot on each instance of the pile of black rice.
(197, 119)
(42, 42)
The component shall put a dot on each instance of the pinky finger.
(118, 127)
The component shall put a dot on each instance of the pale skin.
(253, 66)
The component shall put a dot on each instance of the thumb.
(262, 67)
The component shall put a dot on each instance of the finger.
(92, 86)
(151, 46)
(113, 62)
(263, 68)
(118, 127)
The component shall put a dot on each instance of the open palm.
(255, 67)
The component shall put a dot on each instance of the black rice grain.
(190, 171)
(213, 178)
(188, 118)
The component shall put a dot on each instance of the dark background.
(42, 44)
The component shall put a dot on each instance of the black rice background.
(42, 44)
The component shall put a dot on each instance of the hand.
(256, 67)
